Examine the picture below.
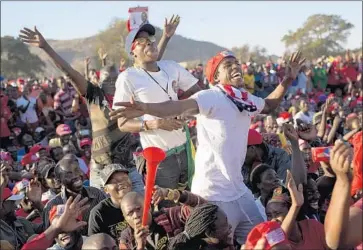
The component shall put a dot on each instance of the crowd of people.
(257, 156)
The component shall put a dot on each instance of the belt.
(176, 150)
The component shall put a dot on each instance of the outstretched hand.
(294, 65)
(340, 159)
(67, 222)
(171, 25)
(128, 110)
(32, 37)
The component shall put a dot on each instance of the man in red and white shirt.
(223, 119)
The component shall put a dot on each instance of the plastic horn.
(153, 156)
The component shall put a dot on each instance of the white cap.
(133, 33)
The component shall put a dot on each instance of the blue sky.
(224, 23)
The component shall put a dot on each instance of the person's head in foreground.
(132, 205)
(141, 45)
(224, 68)
(267, 236)
(72, 240)
(278, 206)
(207, 226)
(116, 181)
(69, 174)
(99, 241)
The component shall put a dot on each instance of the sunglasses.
(143, 41)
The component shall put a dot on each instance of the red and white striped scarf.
(239, 97)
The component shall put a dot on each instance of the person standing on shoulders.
(150, 80)
(109, 144)
(223, 120)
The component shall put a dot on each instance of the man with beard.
(223, 120)
(109, 144)
(12, 229)
(107, 217)
(70, 176)
(150, 80)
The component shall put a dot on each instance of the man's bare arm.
(169, 30)
(172, 108)
(191, 91)
(35, 38)
(273, 100)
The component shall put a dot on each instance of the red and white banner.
(137, 17)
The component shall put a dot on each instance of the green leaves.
(17, 60)
(320, 35)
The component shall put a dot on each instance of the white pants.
(242, 214)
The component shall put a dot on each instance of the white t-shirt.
(30, 114)
(136, 83)
(222, 132)
(305, 118)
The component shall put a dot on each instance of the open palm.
(294, 65)
(171, 25)
(33, 38)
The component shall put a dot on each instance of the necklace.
(167, 83)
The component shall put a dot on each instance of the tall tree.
(17, 60)
(320, 35)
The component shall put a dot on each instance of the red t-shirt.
(313, 236)
(348, 72)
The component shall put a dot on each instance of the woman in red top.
(284, 208)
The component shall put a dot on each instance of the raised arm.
(337, 217)
(35, 38)
(169, 30)
(273, 100)
(298, 167)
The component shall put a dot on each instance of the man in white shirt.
(153, 81)
(26, 105)
(223, 120)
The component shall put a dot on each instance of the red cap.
(213, 64)
(36, 148)
(29, 158)
(271, 231)
(285, 115)
(58, 210)
(85, 141)
(20, 81)
(20, 186)
(63, 129)
(254, 137)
